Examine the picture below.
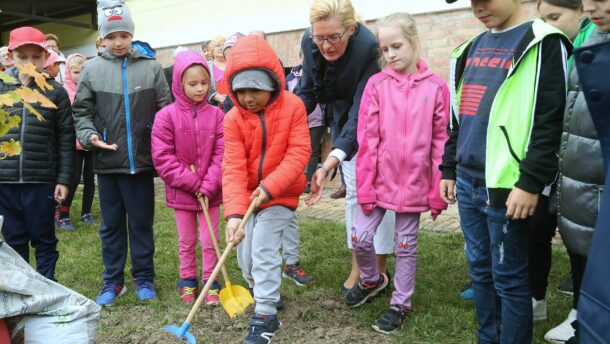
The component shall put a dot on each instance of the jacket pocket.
(510, 147)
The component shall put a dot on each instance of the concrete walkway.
(334, 210)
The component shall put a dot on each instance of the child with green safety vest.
(508, 91)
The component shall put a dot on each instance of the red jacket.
(269, 149)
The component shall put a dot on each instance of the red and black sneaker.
(391, 320)
(296, 273)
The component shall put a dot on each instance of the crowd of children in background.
(506, 139)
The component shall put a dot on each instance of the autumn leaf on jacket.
(39, 78)
(9, 148)
(7, 78)
(33, 96)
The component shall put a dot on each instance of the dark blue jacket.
(594, 302)
(339, 85)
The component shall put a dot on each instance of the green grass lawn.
(438, 316)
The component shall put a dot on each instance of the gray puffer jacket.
(117, 99)
(581, 168)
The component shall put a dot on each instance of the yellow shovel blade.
(235, 299)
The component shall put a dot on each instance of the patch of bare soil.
(316, 318)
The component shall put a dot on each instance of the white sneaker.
(539, 309)
(563, 332)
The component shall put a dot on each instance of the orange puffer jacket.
(269, 149)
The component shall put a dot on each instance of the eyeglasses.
(332, 39)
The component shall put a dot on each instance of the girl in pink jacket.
(188, 133)
(401, 136)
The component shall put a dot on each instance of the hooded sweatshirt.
(401, 134)
(187, 134)
(70, 84)
(269, 149)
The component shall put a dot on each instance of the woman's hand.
(317, 187)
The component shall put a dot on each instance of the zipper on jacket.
(510, 147)
(261, 116)
(196, 138)
(23, 119)
(132, 168)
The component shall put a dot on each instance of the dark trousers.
(541, 228)
(578, 264)
(316, 135)
(83, 165)
(127, 203)
(28, 219)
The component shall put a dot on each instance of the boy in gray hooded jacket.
(118, 94)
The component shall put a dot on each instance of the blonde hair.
(407, 26)
(98, 42)
(217, 41)
(76, 61)
(326, 9)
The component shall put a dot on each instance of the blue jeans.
(497, 254)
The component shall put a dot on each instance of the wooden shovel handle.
(219, 265)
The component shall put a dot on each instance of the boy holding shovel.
(267, 147)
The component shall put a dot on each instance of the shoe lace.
(213, 292)
(299, 271)
(108, 287)
(144, 284)
(186, 291)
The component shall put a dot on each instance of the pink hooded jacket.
(184, 134)
(402, 129)
(70, 84)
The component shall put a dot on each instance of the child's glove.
(435, 213)
(367, 208)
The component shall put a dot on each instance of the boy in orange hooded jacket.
(267, 147)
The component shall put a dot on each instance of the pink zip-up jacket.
(402, 129)
(184, 134)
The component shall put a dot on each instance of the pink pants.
(187, 242)
(405, 248)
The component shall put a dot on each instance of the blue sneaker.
(145, 290)
(466, 293)
(110, 292)
(262, 329)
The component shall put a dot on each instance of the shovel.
(233, 298)
(182, 331)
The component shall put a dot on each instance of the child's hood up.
(183, 61)
(253, 52)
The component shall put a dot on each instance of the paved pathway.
(334, 210)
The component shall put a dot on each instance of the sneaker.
(467, 293)
(297, 274)
(88, 219)
(212, 298)
(65, 224)
(539, 309)
(390, 321)
(145, 290)
(360, 294)
(566, 287)
(563, 332)
(188, 289)
(110, 292)
(278, 305)
(262, 328)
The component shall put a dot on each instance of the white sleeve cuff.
(339, 154)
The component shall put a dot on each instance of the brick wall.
(440, 33)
